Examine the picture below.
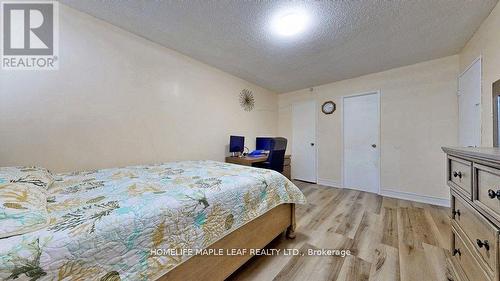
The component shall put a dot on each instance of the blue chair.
(276, 156)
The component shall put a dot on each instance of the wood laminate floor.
(390, 239)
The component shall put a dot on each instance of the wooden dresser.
(473, 175)
(287, 167)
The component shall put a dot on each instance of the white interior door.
(304, 141)
(361, 142)
(469, 105)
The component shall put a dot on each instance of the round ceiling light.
(290, 23)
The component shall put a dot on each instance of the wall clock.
(328, 107)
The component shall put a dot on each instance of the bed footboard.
(254, 235)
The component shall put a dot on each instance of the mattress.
(104, 224)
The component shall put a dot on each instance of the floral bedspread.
(104, 223)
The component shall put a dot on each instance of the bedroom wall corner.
(485, 43)
(419, 115)
(119, 99)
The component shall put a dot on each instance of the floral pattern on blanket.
(104, 223)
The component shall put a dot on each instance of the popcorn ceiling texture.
(345, 39)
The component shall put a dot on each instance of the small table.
(245, 160)
(248, 161)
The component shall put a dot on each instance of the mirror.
(496, 108)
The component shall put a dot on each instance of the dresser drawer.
(463, 258)
(482, 235)
(459, 175)
(487, 190)
(287, 162)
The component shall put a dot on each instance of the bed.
(152, 223)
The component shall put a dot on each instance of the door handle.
(312, 143)
(374, 145)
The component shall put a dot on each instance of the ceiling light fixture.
(290, 23)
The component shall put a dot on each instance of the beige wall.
(485, 43)
(418, 115)
(118, 99)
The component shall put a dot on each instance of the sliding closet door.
(469, 105)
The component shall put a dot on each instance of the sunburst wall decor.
(247, 100)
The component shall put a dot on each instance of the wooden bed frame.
(254, 235)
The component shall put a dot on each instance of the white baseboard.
(445, 202)
(331, 183)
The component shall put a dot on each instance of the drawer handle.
(457, 252)
(456, 213)
(457, 174)
(484, 243)
(492, 194)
